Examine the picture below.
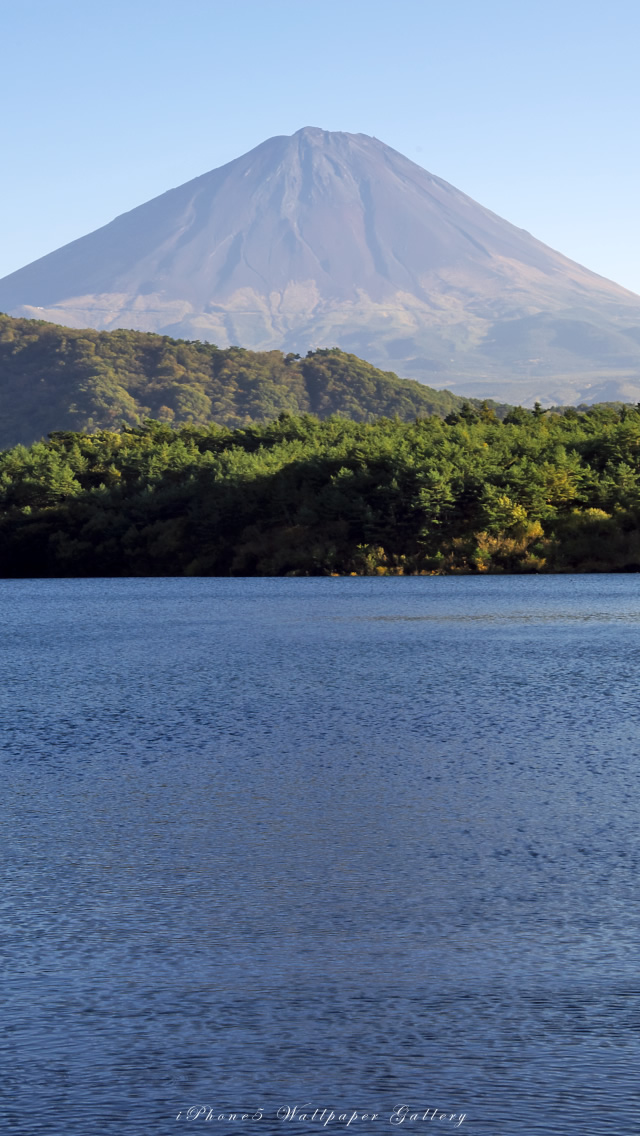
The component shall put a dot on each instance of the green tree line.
(537, 492)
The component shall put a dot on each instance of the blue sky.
(531, 108)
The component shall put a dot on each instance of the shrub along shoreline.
(537, 492)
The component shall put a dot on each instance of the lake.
(331, 845)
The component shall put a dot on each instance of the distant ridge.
(324, 239)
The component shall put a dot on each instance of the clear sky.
(529, 106)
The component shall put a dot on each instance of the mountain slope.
(54, 378)
(329, 238)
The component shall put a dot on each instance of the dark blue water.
(346, 844)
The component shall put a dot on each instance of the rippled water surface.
(341, 843)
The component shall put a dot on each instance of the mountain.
(55, 378)
(324, 239)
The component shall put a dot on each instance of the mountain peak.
(325, 238)
(314, 132)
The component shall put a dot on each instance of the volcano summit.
(323, 239)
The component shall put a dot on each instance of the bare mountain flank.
(323, 239)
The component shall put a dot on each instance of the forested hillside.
(57, 378)
(539, 492)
